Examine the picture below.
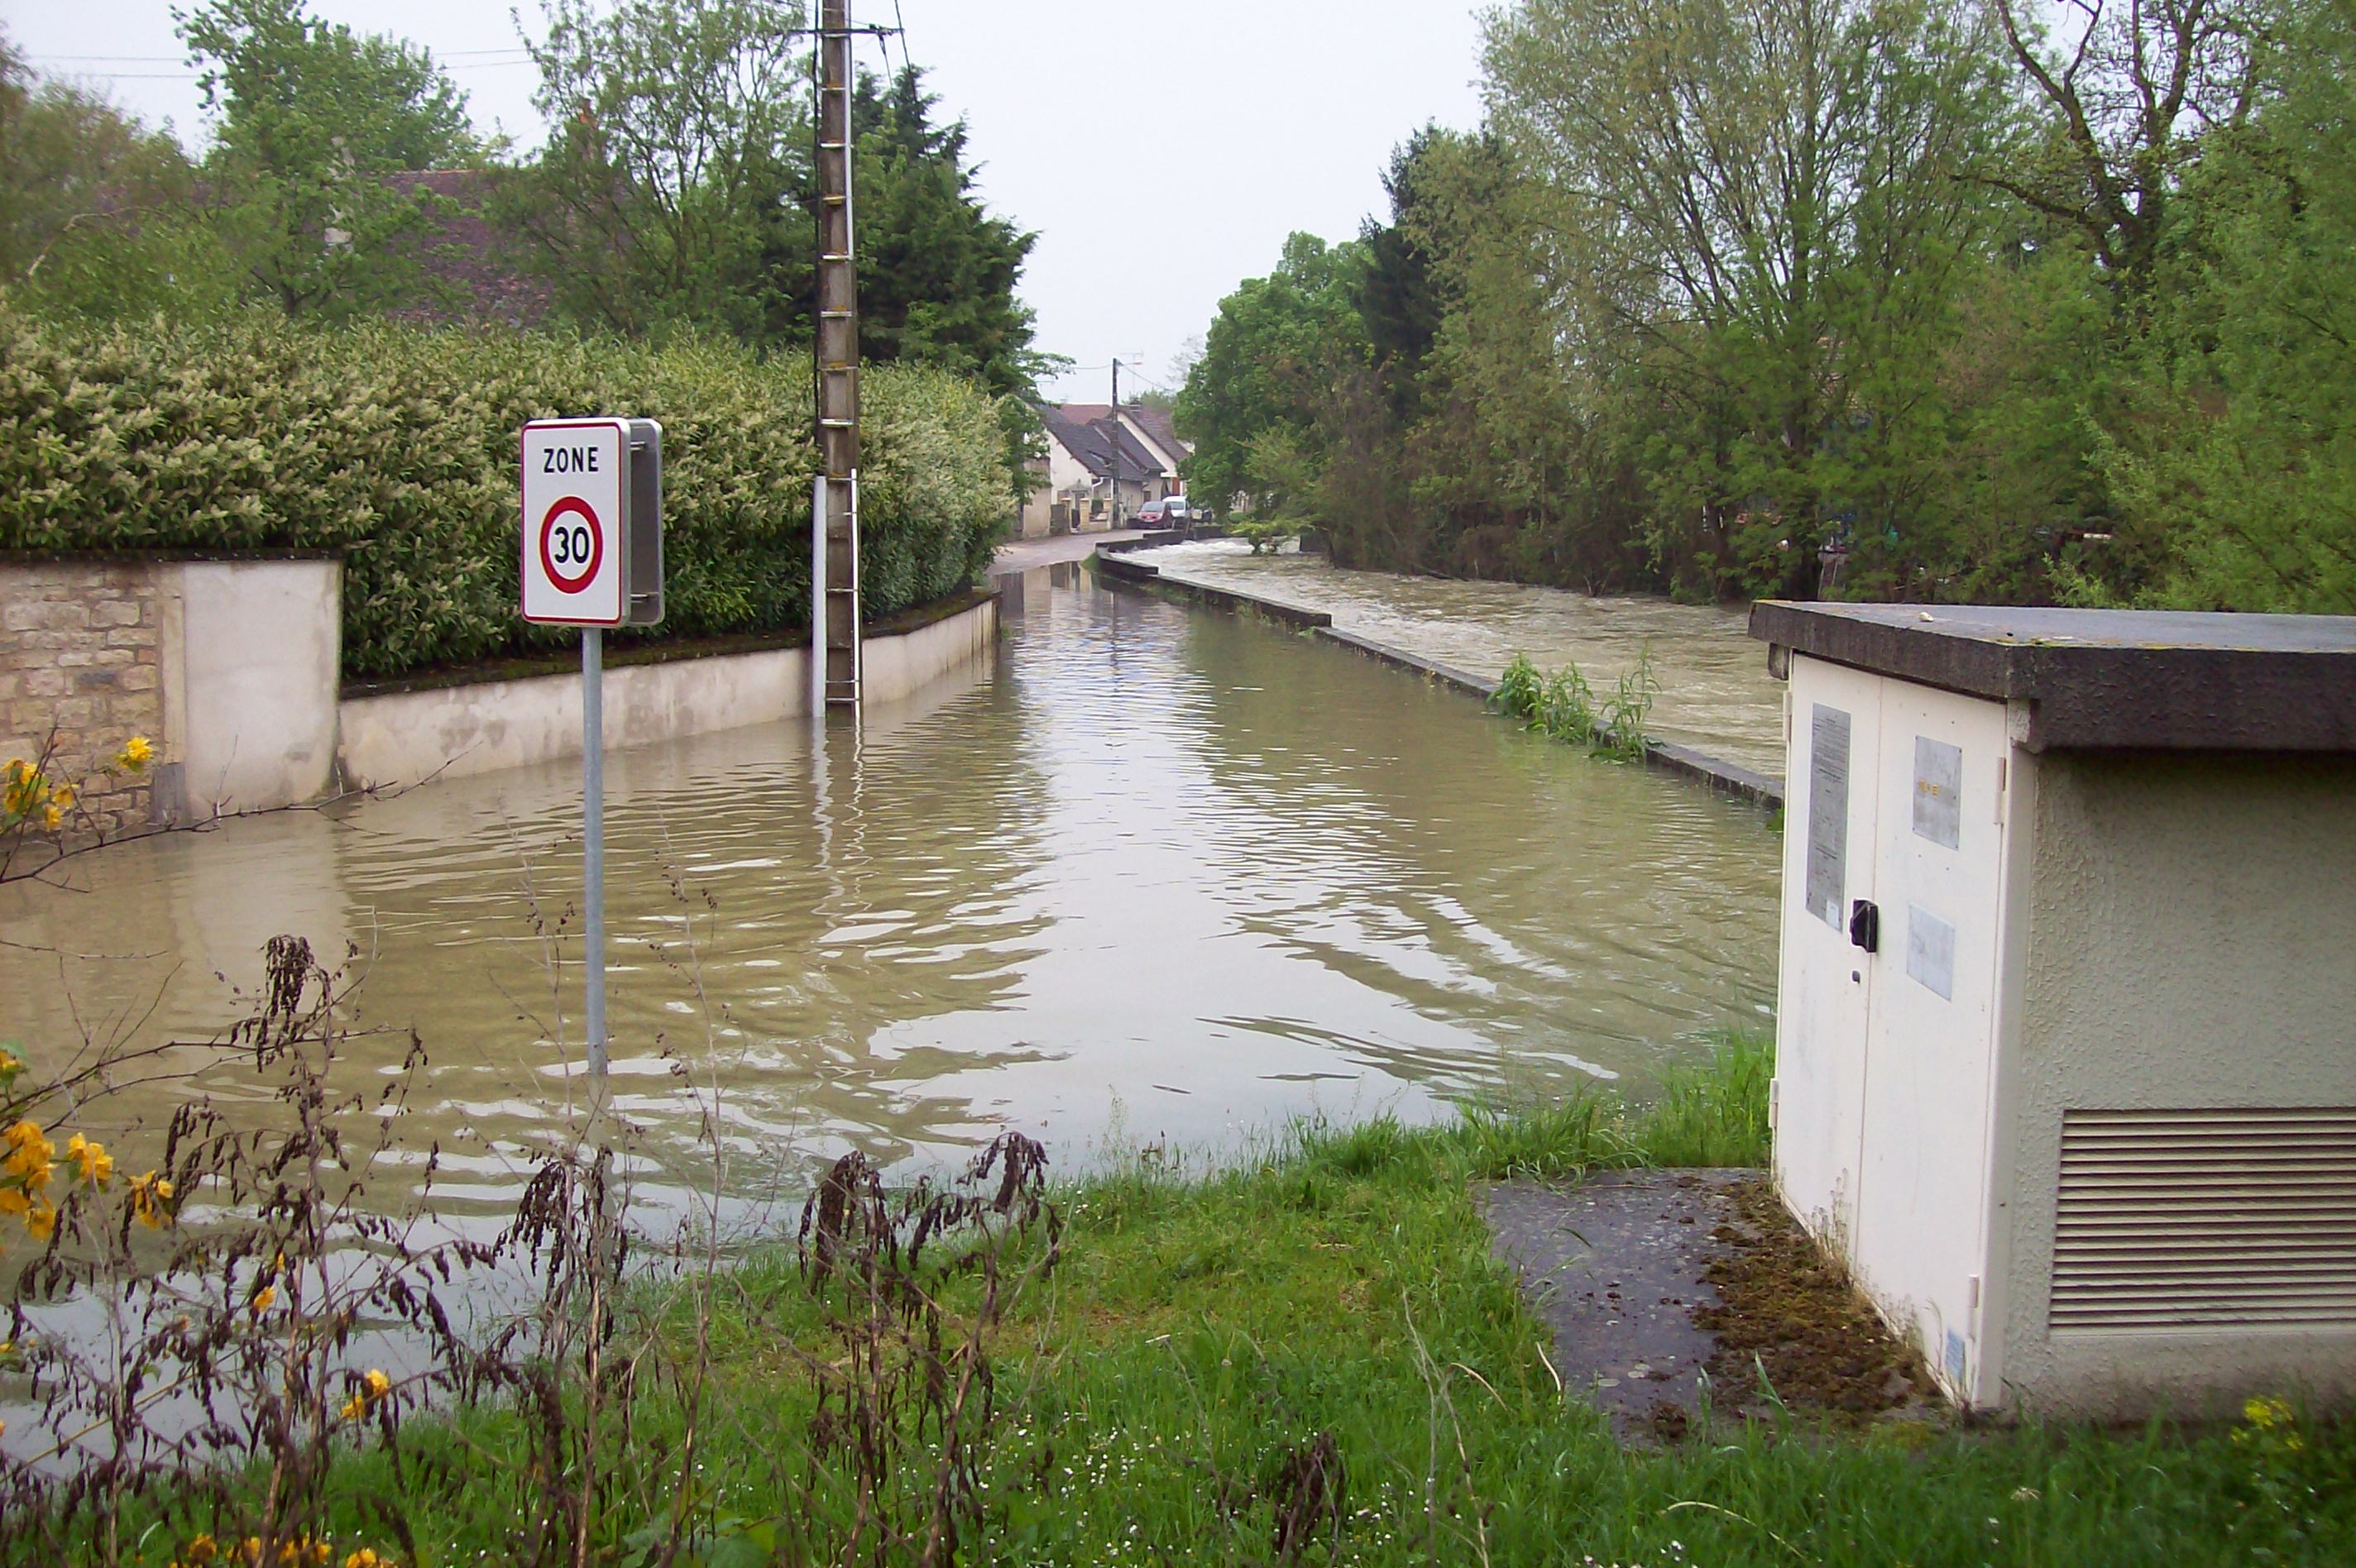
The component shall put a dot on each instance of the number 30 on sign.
(576, 523)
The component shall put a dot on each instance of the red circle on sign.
(553, 537)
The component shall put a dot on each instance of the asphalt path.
(1022, 555)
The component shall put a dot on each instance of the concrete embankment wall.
(232, 670)
(1114, 567)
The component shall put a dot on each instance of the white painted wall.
(1168, 458)
(456, 732)
(250, 700)
(893, 669)
(1065, 473)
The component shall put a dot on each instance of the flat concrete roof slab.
(2105, 680)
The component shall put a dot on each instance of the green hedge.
(396, 445)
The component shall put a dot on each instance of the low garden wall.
(228, 668)
(455, 731)
(231, 669)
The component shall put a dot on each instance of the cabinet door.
(1825, 984)
(1939, 865)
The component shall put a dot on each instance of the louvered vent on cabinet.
(2206, 1219)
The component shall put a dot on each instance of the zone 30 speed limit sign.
(593, 522)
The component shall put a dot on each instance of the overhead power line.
(514, 51)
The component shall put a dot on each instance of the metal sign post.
(592, 558)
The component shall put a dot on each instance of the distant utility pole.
(834, 507)
(1115, 423)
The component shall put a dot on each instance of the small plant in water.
(1626, 710)
(1563, 705)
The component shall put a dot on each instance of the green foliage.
(96, 210)
(1269, 364)
(1206, 1325)
(1892, 301)
(396, 446)
(1563, 705)
(1263, 534)
(678, 193)
(665, 198)
(312, 119)
(1627, 710)
(1520, 689)
(2236, 474)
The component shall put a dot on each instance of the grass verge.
(1310, 1356)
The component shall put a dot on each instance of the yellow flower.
(202, 1549)
(149, 1194)
(135, 755)
(13, 1201)
(365, 1557)
(62, 796)
(2267, 1414)
(10, 1065)
(28, 1154)
(52, 818)
(374, 1386)
(41, 1221)
(95, 1164)
(262, 1300)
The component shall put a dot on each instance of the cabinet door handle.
(1865, 925)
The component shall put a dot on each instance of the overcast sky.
(1161, 148)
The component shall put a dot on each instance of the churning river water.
(1715, 693)
(1146, 874)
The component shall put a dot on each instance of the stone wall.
(80, 673)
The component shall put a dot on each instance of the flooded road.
(1147, 874)
(1715, 693)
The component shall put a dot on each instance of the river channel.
(1147, 876)
(1715, 694)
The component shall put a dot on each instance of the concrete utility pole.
(834, 510)
(1115, 423)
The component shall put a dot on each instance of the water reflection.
(1148, 869)
(1715, 694)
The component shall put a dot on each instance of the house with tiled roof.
(475, 267)
(1102, 463)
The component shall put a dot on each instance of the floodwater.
(1715, 696)
(1146, 875)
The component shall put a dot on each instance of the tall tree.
(311, 118)
(2235, 464)
(678, 138)
(2129, 90)
(94, 208)
(1271, 357)
(1760, 199)
(937, 270)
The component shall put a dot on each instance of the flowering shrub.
(396, 446)
(38, 806)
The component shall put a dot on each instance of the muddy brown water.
(1715, 696)
(1147, 875)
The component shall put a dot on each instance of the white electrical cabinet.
(2066, 1048)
